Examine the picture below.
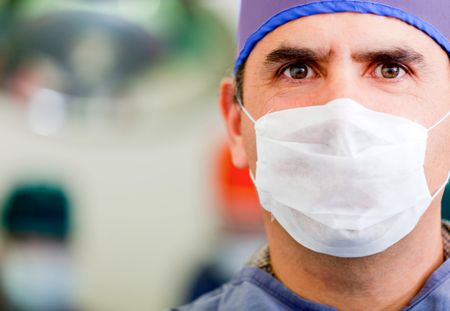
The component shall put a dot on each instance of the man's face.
(383, 63)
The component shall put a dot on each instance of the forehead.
(353, 31)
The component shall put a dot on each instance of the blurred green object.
(37, 209)
(94, 53)
(446, 203)
(99, 48)
(111, 64)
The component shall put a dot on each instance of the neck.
(388, 280)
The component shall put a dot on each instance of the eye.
(389, 71)
(298, 72)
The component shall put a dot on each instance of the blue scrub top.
(256, 290)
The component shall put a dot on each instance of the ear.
(231, 114)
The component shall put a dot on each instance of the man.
(340, 111)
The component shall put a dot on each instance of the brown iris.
(390, 71)
(298, 71)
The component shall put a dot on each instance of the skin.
(387, 280)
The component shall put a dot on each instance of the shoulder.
(435, 294)
(253, 289)
(228, 295)
(207, 302)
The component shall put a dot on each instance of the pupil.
(390, 71)
(299, 72)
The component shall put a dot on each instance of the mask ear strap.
(245, 111)
(252, 177)
(440, 188)
(440, 121)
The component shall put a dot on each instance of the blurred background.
(116, 186)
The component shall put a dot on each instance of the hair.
(239, 84)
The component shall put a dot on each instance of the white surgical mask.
(342, 179)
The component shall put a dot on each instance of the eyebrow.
(293, 54)
(392, 55)
(286, 54)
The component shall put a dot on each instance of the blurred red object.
(237, 197)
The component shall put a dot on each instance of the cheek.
(271, 101)
(425, 103)
(437, 161)
(426, 106)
